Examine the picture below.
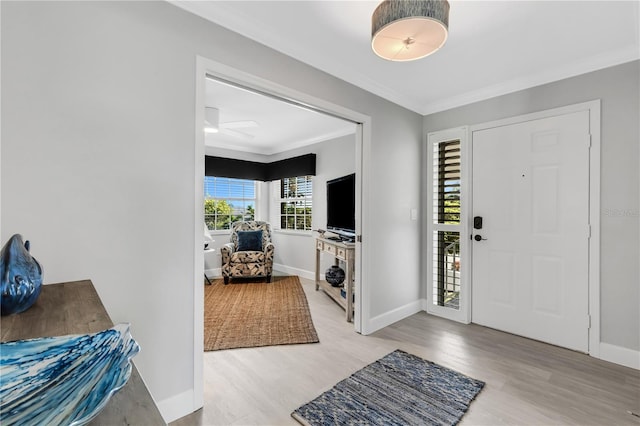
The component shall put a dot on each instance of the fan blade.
(238, 124)
(236, 134)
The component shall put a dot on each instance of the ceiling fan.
(229, 128)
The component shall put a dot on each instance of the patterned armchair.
(250, 252)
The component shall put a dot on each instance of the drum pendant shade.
(406, 30)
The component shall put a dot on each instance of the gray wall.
(98, 113)
(619, 89)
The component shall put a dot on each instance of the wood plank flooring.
(527, 382)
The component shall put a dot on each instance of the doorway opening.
(210, 69)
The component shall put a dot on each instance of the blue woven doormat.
(398, 389)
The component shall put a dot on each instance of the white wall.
(619, 88)
(98, 130)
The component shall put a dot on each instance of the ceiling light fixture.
(405, 30)
(211, 120)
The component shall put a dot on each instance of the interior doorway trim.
(593, 107)
(208, 68)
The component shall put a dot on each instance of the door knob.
(479, 238)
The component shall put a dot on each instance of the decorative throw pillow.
(250, 240)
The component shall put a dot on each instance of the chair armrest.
(268, 250)
(226, 251)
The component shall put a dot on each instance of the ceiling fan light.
(406, 30)
(211, 120)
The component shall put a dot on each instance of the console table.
(75, 308)
(340, 251)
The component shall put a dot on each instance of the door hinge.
(588, 141)
(588, 231)
(588, 322)
(359, 238)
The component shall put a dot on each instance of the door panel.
(530, 270)
(501, 278)
(547, 285)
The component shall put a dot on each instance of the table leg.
(317, 269)
(349, 288)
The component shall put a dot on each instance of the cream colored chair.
(250, 252)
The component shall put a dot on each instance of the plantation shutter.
(446, 223)
(447, 181)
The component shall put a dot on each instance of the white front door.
(530, 257)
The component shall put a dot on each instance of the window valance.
(303, 165)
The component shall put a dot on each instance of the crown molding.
(253, 149)
(594, 63)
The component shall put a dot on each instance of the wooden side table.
(75, 308)
(340, 251)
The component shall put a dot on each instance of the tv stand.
(340, 251)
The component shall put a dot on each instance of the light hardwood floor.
(527, 382)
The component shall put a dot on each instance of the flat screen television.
(341, 206)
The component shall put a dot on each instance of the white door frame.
(206, 66)
(593, 107)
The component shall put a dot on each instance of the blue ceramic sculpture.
(21, 277)
(65, 380)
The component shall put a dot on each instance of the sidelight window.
(446, 218)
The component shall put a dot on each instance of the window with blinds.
(446, 180)
(296, 203)
(446, 224)
(228, 200)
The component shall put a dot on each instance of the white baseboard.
(381, 321)
(620, 355)
(177, 406)
(310, 275)
(424, 303)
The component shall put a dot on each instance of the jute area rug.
(398, 389)
(246, 314)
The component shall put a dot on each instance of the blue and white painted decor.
(63, 380)
(20, 277)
